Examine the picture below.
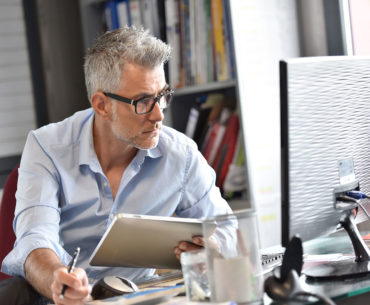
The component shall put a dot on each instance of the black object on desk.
(284, 284)
(111, 286)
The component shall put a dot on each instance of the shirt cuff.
(13, 263)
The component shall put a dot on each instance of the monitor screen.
(325, 146)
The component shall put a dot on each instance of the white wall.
(264, 32)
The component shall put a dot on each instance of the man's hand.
(78, 290)
(196, 243)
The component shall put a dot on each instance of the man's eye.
(146, 101)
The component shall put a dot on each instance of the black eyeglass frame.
(167, 92)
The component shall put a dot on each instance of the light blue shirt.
(64, 200)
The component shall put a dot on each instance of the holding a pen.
(71, 266)
(70, 285)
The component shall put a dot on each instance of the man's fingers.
(178, 252)
(76, 282)
(62, 277)
(198, 240)
(184, 246)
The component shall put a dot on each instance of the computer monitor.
(325, 152)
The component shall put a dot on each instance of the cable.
(359, 195)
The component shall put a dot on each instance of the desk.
(349, 292)
(354, 291)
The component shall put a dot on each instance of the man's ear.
(101, 105)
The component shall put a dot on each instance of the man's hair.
(112, 50)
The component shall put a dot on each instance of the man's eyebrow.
(144, 94)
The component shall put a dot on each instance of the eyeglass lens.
(147, 104)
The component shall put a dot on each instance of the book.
(135, 13)
(123, 11)
(150, 17)
(173, 39)
(230, 62)
(236, 177)
(217, 131)
(147, 296)
(202, 115)
(219, 44)
(210, 51)
(201, 42)
(111, 15)
(192, 121)
(192, 34)
(185, 41)
(217, 120)
(198, 120)
(226, 151)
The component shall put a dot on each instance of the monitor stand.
(349, 268)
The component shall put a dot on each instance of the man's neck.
(112, 154)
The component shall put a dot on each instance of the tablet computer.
(134, 240)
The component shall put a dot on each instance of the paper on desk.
(151, 296)
(184, 301)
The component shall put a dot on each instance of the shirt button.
(105, 184)
(111, 216)
(91, 280)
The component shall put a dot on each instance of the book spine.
(155, 18)
(210, 42)
(135, 13)
(173, 39)
(111, 15)
(123, 13)
(218, 33)
(230, 62)
(192, 122)
(182, 43)
(192, 41)
(201, 42)
(185, 28)
(229, 145)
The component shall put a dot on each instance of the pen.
(71, 266)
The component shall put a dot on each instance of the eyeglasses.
(146, 104)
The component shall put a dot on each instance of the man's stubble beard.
(119, 134)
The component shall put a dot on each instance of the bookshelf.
(189, 26)
(213, 86)
(258, 37)
(263, 32)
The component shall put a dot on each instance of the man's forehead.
(141, 80)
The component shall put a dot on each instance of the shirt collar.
(87, 152)
(151, 153)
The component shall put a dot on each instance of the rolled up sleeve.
(37, 214)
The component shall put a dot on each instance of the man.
(115, 157)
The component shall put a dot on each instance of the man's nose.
(156, 114)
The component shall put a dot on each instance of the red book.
(226, 150)
(213, 141)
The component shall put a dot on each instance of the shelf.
(205, 87)
(89, 2)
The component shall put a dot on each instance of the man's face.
(139, 130)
